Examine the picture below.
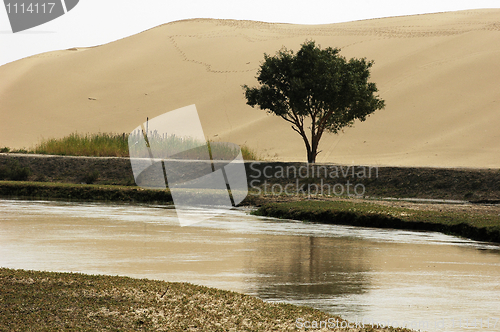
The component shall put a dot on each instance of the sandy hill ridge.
(439, 74)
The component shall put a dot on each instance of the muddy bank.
(48, 301)
(277, 178)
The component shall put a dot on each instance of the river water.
(428, 281)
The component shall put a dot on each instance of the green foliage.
(315, 84)
(13, 171)
(4, 150)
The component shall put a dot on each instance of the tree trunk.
(312, 152)
(312, 149)
(311, 158)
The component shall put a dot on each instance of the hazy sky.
(95, 22)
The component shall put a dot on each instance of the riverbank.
(111, 179)
(479, 222)
(48, 301)
(273, 178)
(83, 192)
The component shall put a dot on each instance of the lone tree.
(316, 87)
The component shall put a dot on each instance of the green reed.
(96, 145)
(117, 145)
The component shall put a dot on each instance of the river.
(424, 280)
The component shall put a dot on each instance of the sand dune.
(439, 74)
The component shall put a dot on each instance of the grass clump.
(48, 301)
(186, 148)
(117, 145)
(249, 154)
(95, 145)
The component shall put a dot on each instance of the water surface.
(366, 274)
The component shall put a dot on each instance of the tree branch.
(296, 130)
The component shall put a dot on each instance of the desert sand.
(438, 73)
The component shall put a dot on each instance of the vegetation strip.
(116, 145)
(84, 192)
(475, 185)
(481, 227)
(48, 301)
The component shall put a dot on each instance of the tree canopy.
(316, 90)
